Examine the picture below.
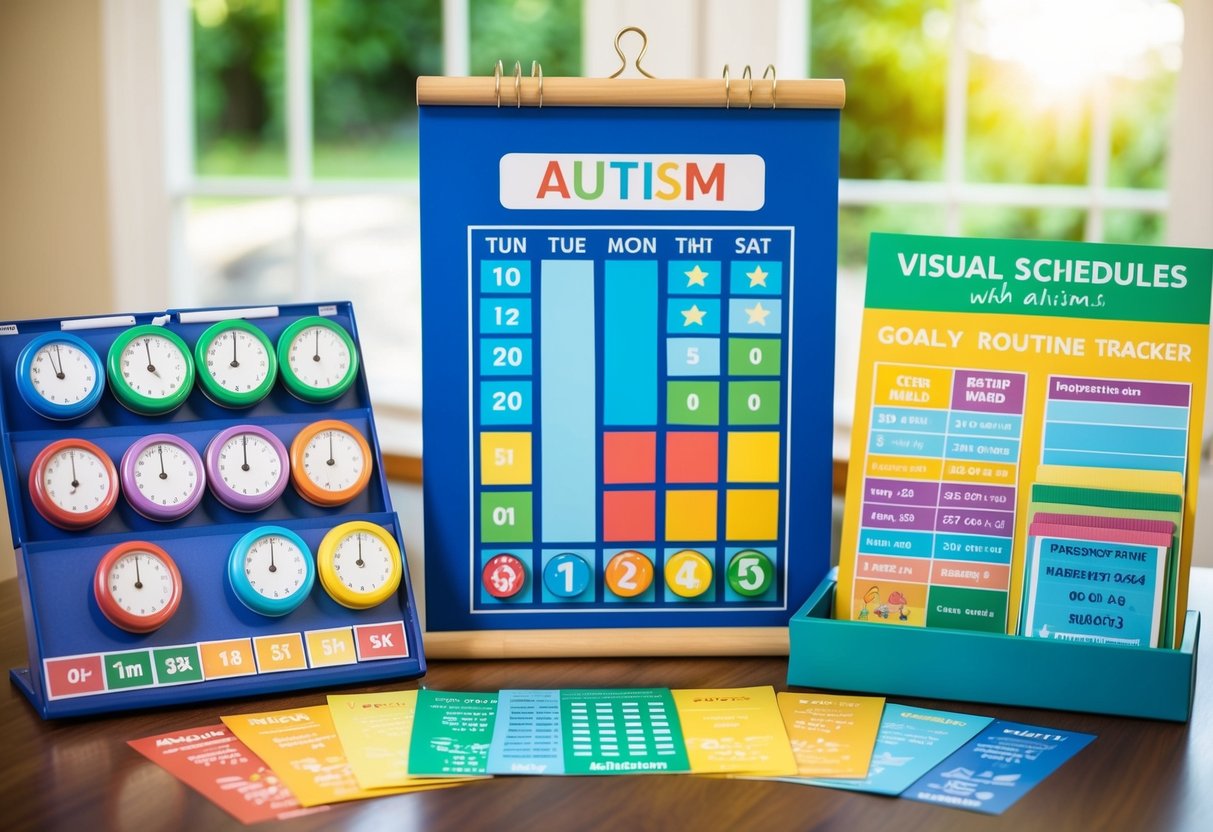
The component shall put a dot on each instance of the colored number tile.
(690, 515)
(693, 402)
(504, 576)
(505, 458)
(629, 457)
(568, 576)
(693, 316)
(505, 516)
(752, 457)
(753, 402)
(128, 670)
(756, 315)
(281, 651)
(912, 386)
(689, 576)
(628, 576)
(505, 403)
(179, 665)
(692, 356)
(755, 356)
(505, 356)
(326, 648)
(750, 277)
(694, 277)
(751, 514)
(381, 641)
(750, 574)
(629, 516)
(505, 316)
(73, 676)
(497, 276)
(233, 657)
(692, 457)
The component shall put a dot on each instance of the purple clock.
(162, 477)
(247, 467)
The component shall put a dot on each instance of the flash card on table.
(734, 731)
(999, 766)
(212, 762)
(911, 742)
(831, 736)
(451, 733)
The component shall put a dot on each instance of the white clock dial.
(165, 475)
(362, 562)
(62, 374)
(333, 460)
(275, 567)
(153, 366)
(141, 584)
(77, 481)
(249, 465)
(319, 357)
(237, 361)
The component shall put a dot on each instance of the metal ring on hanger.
(749, 79)
(771, 69)
(497, 70)
(623, 59)
(537, 71)
(726, 86)
(518, 84)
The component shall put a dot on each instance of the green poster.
(628, 731)
(451, 733)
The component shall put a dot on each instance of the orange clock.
(330, 462)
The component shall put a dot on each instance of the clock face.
(331, 462)
(162, 477)
(151, 370)
(73, 484)
(360, 564)
(137, 586)
(247, 466)
(271, 570)
(60, 376)
(318, 358)
(236, 363)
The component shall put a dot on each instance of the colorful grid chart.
(939, 492)
(1117, 423)
(629, 440)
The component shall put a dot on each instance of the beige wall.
(54, 229)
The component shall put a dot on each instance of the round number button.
(567, 575)
(629, 573)
(73, 484)
(688, 573)
(503, 576)
(137, 586)
(60, 376)
(750, 573)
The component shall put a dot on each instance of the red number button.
(503, 576)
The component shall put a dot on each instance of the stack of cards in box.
(1103, 555)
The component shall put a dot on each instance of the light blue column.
(630, 330)
(568, 490)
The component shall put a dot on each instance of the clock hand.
(75, 481)
(330, 460)
(234, 363)
(273, 568)
(138, 580)
(360, 562)
(160, 450)
(244, 440)
(316, 357)
(59, 372)
(147, 347)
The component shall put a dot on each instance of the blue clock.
(60, 376)
(271, 570)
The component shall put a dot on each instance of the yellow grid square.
(751, 514)
(753, 457)
(690, 515)
(505, 458)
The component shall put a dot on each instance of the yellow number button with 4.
(688, 574)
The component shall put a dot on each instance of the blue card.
(911, 741)
(527, 738)
(999, 766)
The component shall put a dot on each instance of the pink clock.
(162, 477)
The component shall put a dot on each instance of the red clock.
(137, 586)
(73, 484)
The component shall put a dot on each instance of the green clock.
(318, 359)
(236, 362)
(150, 370)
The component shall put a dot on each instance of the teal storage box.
(984, 667)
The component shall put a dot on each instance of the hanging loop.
(623, 59)
(497, 70)
(537, 72)
(770, 70)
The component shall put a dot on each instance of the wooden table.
(80, 775)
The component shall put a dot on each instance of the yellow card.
(832, 736)
(734, 731)
(301, 746)
(375, 729)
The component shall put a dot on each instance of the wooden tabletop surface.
(80, 774)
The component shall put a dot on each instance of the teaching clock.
(247, 467)
(150, 370)
(162, 477)
(318, 359)
(73, 484)
(271, 570)
(60, 376)
(137, 586)
(236, 362)
(330, 462)
(359, 564)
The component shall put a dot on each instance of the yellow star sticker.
(756, 314)
(694, 315)
(757, 277)
(696, 276)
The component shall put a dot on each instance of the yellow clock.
(359, 564)
(330, 462)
